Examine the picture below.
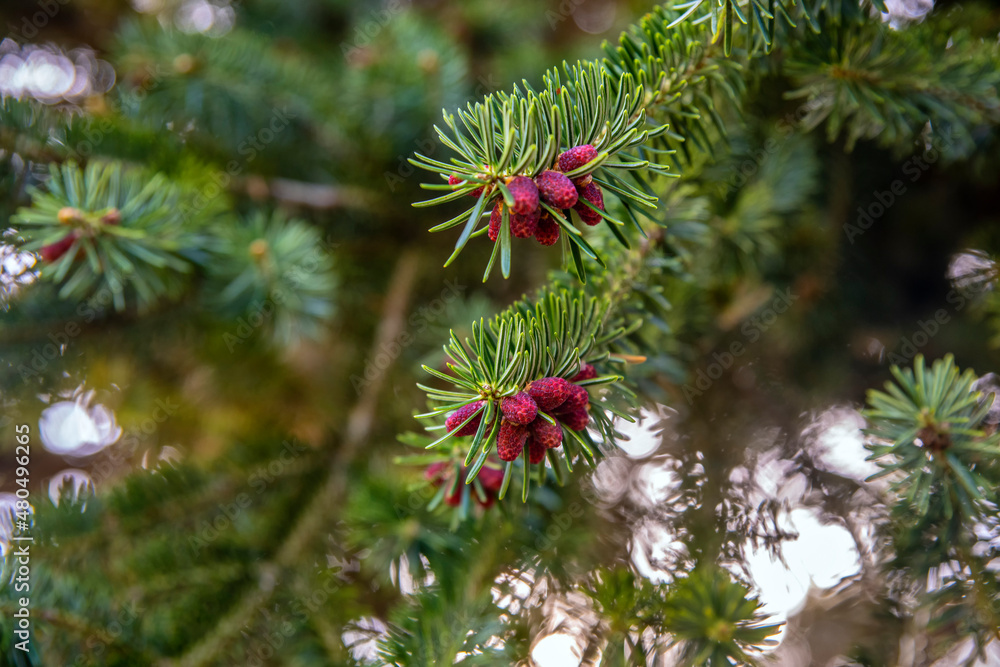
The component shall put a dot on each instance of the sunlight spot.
(557, 650)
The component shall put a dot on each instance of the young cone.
(556, 190)
(54, 251)
(496, 219)
(549, 393)
(577, 400)
(456, 418)
(536, 450)
(525, 194)
(590, 193)
(587, 372)
(519, 409)
(549, 435)
(576, 157)
(524, 226)
(510, 440)
(491, 479)
(547, 231)
(576, 420)
(455, 180)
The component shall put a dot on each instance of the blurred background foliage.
(232, 489)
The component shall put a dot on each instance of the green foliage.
(274, 268)
(527, 342)
(128, 227)
(463, 627)
(523, 134)
(714, 618)
(931, 425)
(200, 84)
(114, 590)
(727, 17)
(196, 562)
(140, 239)
(689, 82)
(746, 230)
(873, 84)
(930, 436)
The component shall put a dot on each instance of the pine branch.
(270, 264)
(225, 90)
(523, 355)
(889, 86)
(929, 427)
(854, 75)
(126, 227)
(603, 106)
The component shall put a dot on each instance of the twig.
(317, 513)
(312, 195)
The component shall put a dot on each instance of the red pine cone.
(590, 193)
(549, 435)
(524, 226)
(556, 190)
(456, 418)
(435, 472)
(440, 473)
(547, 232)
(525, 194)
(496, 218)
(54, 251)
(491, 479)
(453, 179)
(519, 408)
(536, 450)
(510, 440)
(576, 157)
(576, 420)
(578, 400)
(587, 372)
(549, 393)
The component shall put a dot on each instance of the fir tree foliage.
(553, 338)
(930, 436)
(668, 73)
(127, 227)
(290, 274)
(522, 134)
(932, 422)
(711, 618)
(193, 563)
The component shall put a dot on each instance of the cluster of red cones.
(531, 418)
(527, 216)
(491, 480)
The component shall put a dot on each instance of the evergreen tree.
(256, 415)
